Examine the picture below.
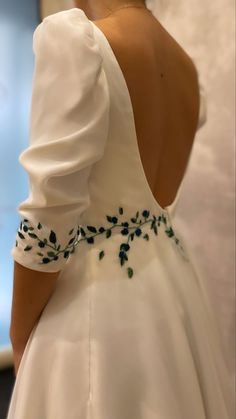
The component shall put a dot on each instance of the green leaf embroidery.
(52, 237)
(34, 236)
(28, 247)
(130, 272)
(129, 230)
(101, 254)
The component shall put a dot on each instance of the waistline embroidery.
(130, 230)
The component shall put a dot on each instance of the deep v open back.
(129, 332)
(105, 44)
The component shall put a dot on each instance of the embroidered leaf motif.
(124, 246)
(51, 254)
(41, 244)
(34, 236)
(145, 213)
(101, 254)
(92, 229)
(170, 232)
(82, 232)
(130, 272)
(52, 237)
(21, 235)
(132, 236)
(28, 247)
(108, 233)
(131, 230)
(71, 240)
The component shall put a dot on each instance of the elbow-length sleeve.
(69, 120)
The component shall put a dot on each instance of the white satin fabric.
(109, 345)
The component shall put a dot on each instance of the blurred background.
(206, 209)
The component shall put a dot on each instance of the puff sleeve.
(69, 120)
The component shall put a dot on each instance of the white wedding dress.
(129, 332)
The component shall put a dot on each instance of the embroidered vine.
(130, 229)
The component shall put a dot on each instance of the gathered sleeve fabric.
(69, 122)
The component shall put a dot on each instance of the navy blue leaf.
(138, 231)
(28, 247)
(21, 235)
(124, 246)
(125, 224)
(108, 233)
(92, 229)
(34, 236)
(82, 232)
(52, 237)
(101, 254)
(41, 244)
(71, 241)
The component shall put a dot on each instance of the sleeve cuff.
(38, 247)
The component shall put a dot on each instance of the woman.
(109, 317)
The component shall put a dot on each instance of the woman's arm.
(31, 292)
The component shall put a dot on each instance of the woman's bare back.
(163, 85)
